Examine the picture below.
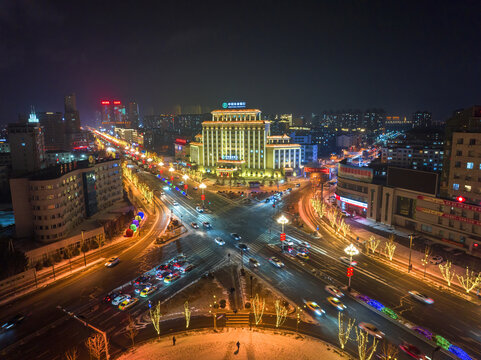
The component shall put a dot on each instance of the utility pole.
(410, 250)
(103, 333)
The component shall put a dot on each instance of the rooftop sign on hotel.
(234, 105)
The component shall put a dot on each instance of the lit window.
(455, 186)
(469, 165)
(467, 188)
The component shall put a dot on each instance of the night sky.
(279, 56)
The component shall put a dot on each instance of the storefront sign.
(450, 203)
(448, 216)
(355, 173)
(352, 202)
(316, 170)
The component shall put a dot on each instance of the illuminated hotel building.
(114, 114)
(237, 141)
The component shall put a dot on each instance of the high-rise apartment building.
(238, 142)
(133, 114)
(27, 145)
(54, 130)
(422, 119)
(72, 117)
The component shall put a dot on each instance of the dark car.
(243, 247)
(141, 280)
(109, 297)
(17, 319)
(163, 267)
(207, 225)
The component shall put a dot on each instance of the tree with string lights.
(258, 306)
(96, 345)
(390, 247)
(281, 313)
(365, 351)
(470, 280)
(155, 316)
(344, 330)
(446, 272)
(187, 313)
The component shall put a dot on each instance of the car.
(275, 261)
(171, 277)
(346, 214)
(178, 264)
(119, 299)
(112, 261)
(254, 262)
(12, 322)
(141, 280)
(303, 256)
(181, 183)
(334, 301)
(180, 257)
(175, 203)
(199, 209)
(128, 303)
(436, 259)
(243, 247)
(207, 225)
(195, 188)
(163, 267)
(109, 297)
(140, 287)
(313, 306)
(298, 185)
(219, 241)
(305, 244)
(303, 250)
(147, 291)
(346, 261)
(160, 275)
(421, 297)
(235, 236)
(331, 289)
(371, 329)
(194, 225)
(412, 351)
(186, 268)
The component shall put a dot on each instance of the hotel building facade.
(238, 142)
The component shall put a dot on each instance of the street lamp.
(185, 177)
(202, 186)
(410, 250)
(161, 164)
(283, 221)
(351, 250)
(171, 170)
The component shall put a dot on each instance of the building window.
(457, 164)
(467, 188)
(472, 141)
(469, 165)
(460, 141)
(455, 186)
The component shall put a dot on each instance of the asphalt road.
(82, 293)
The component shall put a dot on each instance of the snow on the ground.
(254, 345)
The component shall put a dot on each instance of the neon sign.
(117, 102)
(229, 157)
(105, 102)
(234, 105)
(352, 202)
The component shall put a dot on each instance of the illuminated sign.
(448, 216)
(105, 102)
(355, 173)
(117, 102)
(181, 141)
(229, 157)
(352, 202)
(450, 203)
(234, 105)
(318, 170)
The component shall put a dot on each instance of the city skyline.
(310, 58)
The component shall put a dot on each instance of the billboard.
(414, 180)
(357, 173)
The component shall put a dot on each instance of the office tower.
(54, 130)
(237, 142)
(133, 115)
(27, 145)
(114, 114)
(422, 119)
(72, 118)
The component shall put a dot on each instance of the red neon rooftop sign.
(105, 102)
(117, 102)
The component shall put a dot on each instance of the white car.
(199, 209)
(371, 329)
(119, 299)
(219, 241)
(331, 289)
(235, 236)
(346, 261)
(112, 261)
(313, 306)
(276, 262)
(305, 244)
(175, 203)
(421, 297)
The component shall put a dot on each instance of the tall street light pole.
(410, 250)
(283, 221)
(185, 177)
(171, 170)
(203, 186)
(351, 250)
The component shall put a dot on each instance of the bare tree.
(96, 345)
(258, 306)
(390, 247)
(213, 310)
(187, 313)
(155, 316)
(446, 272)
(365, 351)
(425, 259)
(71, 354)
(281, 313)
(470, 281)
(373, 244)
(344, 332)
(389, 351)
(132, 331)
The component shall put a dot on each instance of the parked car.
(128, 303)
(436, 259)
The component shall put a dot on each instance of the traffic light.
(202, 197)
(283, 236)
(350, 271)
